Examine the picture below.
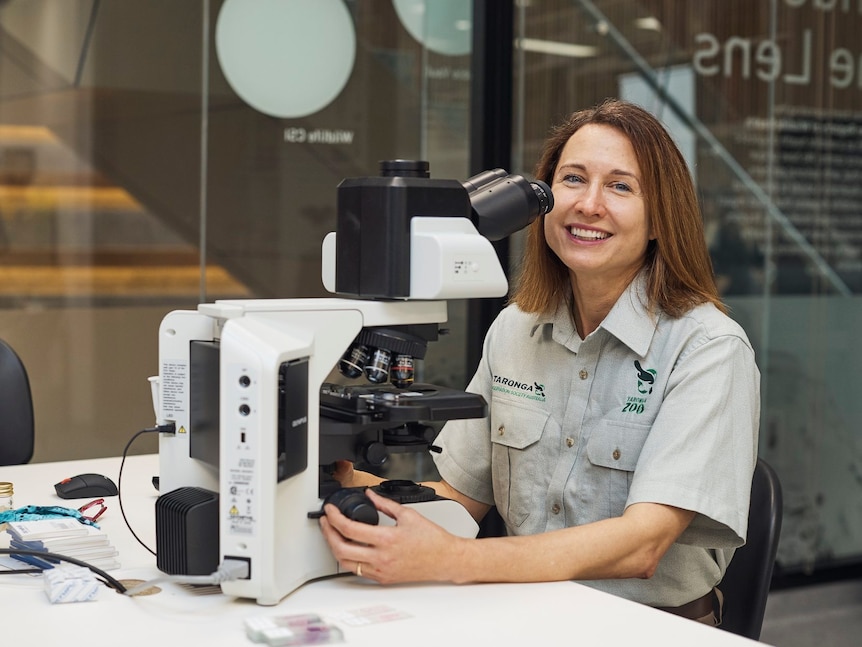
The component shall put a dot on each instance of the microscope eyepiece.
(543, 193)
(377, 241)
(503, 204)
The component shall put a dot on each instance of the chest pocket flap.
(616, 446)
(516, 426)
(516, 458)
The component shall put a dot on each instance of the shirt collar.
(629, 320)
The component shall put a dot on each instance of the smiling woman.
(640, 165)
(598, 227)
(613, 360)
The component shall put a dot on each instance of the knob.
(354, 504)
(375, 453)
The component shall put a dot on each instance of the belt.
(695, 609)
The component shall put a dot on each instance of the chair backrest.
(17, 430)
(746, 582)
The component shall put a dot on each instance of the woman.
(624, 403)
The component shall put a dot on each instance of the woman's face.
(598, 226)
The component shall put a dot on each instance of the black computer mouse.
(85, 486)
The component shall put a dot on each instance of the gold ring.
(359, 569)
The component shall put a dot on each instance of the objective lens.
(402, 371)
(377, 368)
(353, 361)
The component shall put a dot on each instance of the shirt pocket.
(613, 451)
(516, 459)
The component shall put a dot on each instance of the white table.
(486, 614)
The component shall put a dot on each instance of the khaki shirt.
(645, 409)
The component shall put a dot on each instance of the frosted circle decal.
(443, 26)
(286, 58)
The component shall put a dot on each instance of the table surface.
(425, 614)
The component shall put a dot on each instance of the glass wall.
(765, 100)
(154, 155)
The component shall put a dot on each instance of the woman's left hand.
(413, 550)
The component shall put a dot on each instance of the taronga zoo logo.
(646, 379)
(534, 391)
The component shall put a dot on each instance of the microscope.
(265, 395)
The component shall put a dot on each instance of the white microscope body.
(242, 477)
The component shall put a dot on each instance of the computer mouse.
(85, 486)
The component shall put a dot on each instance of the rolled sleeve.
(464, 461)
(701, 451)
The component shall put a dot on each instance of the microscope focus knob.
(375, 453)
(354, 504)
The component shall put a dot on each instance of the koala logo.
(646, 378)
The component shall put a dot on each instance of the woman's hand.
(413, 550)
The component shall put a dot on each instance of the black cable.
(20, 571)
(168, 428)
(107, 579)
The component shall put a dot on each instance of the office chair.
(746, 582)
(16, 409)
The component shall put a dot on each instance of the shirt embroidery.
(534, 391)
(645, 378)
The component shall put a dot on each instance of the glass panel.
(275, 162)
(131, 132)
(91, 258)
(763, 99)
(274, 166)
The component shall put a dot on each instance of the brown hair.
(678, 268)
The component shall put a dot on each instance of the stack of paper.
(66, 537)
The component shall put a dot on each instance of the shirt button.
(616, 454)
(555, 508)
(583, 374)
(570, 442)
(501, 429)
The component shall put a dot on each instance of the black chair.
(746, 582)
(17, 430)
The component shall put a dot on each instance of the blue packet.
(38, 512)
